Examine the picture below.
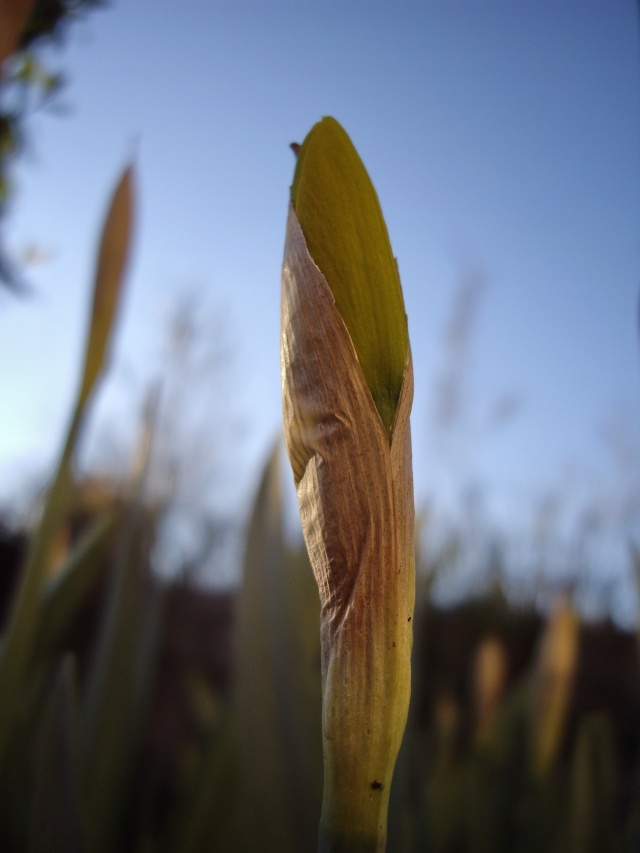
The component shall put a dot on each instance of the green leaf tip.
(113, 253)
(346, 235)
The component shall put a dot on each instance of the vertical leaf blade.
(20, 638)
(55, 820)
(113, 253)
(278, 683)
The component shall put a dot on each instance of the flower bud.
(347, 388)
(346, 235)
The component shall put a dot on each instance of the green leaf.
(346, 235)
(278, 683)
(16, 776)
(55, 825)
(593, 787)
(21, 637)
(122, 674)
(205, 818)
(112, 258)
(66, 593)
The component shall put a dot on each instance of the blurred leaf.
(49, 20)
(55, 821)
(207, 817)
(121, 676)
(278, 683)
(16, 778)
(67, 592)
(592, 788)
(21, 633)
(552, 685)
(635, 561)
(112, 258)
(508, 752)
(117, 695)
(9, 139)
(445, 779)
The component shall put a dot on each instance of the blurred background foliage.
(143, 709)
(32, 32)
(158, 714)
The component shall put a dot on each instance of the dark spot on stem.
(377, 786)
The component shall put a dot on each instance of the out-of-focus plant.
(196, 447)
(278, 697)
(347, 392)
(552, 685)
(21, 635)
(27, 82)
(38, 611)
(592, 828)
(505, 760)
(489, 679)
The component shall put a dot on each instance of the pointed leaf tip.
(113, 253)
(346, 235)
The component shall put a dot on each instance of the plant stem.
(330, 842)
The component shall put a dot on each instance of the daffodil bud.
(347, 388)
(346, 235)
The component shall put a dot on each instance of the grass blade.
(21, 634)
(278, 687)
(55, 821)
(592, 787)
(65, 594)
(123, 669)
(205, 819)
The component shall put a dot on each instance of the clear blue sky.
(503, 139)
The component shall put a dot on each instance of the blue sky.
(503, 139)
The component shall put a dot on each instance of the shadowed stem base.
(331, 842)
